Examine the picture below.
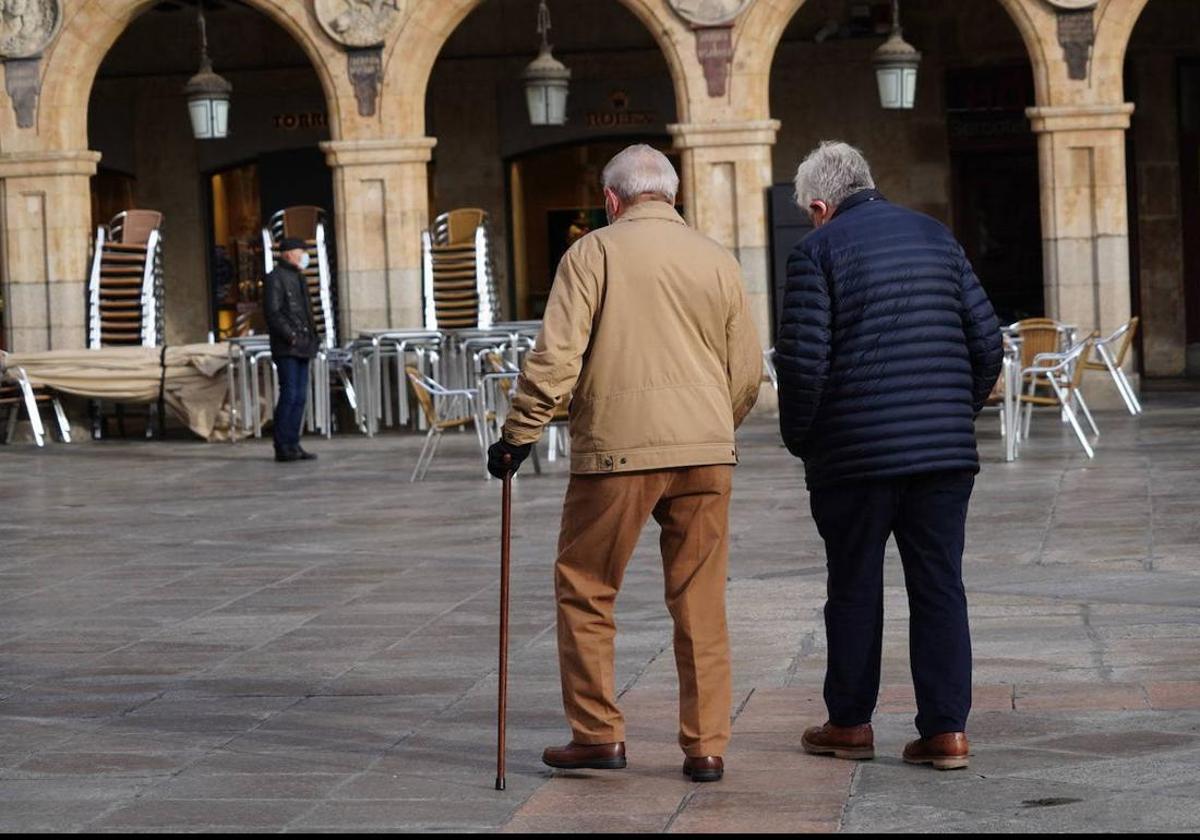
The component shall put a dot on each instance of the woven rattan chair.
(1113, 361)
(444, 408)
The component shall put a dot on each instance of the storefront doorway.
(555, 198)
(243, 198)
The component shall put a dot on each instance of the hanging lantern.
(546, 80)
(207, 94)
(896, 64)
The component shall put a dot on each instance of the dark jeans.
(927, 514)
(293, 394)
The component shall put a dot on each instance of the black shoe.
(286, 455)
(305, 456)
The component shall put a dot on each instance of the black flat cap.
(291, 243)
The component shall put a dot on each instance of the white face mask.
(305, 259)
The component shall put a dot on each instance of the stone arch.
(410, 59)
(759, 32)
(91, 29)
(1114, 30)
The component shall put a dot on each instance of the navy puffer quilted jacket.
(887, 347)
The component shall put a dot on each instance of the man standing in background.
(294, 342)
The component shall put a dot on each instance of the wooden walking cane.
(505, 540)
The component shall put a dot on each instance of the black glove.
(496, 465)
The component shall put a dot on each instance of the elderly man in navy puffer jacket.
(887, 349)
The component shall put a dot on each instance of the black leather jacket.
(288, 310)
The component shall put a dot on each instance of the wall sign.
(619, 114)
(298, 122)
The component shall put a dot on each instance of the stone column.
(1085, 225)
(45, 219)
(381, 202)
(726, 174)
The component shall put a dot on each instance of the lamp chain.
(543, 24)
(204, 59)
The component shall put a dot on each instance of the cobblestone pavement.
(193, 637)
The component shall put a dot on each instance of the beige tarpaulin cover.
(195, 387)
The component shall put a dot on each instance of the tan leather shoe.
(709, 768)
(855, 743)
(948, 751)
(586, 756)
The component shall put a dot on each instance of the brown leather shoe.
(586, 756)
(948, 751)
(856, 743)
(709, 768)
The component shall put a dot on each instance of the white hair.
(641, 169)
(832, 172)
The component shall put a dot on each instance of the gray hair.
(641, 169)
(832, 172)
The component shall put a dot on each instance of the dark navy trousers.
(927, 515)
(293, 395)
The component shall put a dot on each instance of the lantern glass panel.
(557, 104)
(889, 86)
(220, 118)
(537, 97)
(909, 87)
(201, 113)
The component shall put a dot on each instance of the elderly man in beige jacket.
(647, 334)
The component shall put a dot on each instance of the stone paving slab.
(193, 638)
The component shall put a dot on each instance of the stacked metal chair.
(460, 289)
(307, 223)
(125, 287)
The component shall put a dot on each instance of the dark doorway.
(995, 189)
(1189, 172)
(997, 219)
(294, 177)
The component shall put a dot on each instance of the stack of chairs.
(307, 223)
(460, 289)
(125, 287)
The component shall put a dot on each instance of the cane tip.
(499, 783)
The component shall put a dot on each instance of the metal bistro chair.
(769, 366)
(1114, 362)
(16, 393)
(445, 408)
(1063, 372)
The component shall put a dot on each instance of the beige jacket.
(647, 330)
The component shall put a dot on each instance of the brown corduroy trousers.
(603, 516)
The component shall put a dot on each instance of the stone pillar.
(45, 219)
(381, 202)
(726, 174)
(1085, 225)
